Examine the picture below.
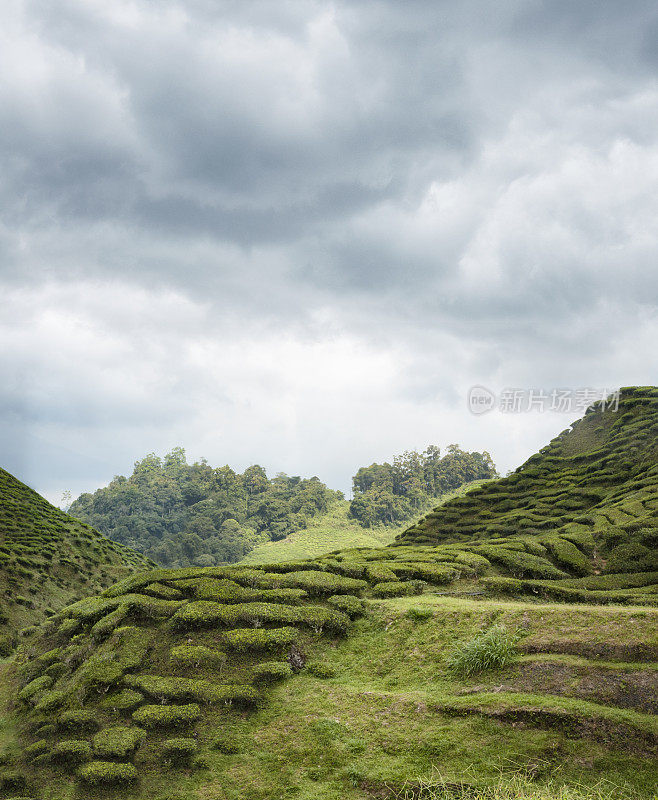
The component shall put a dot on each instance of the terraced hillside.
(48, 559)
(457, 658)
(597, 480)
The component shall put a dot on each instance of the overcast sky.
(296, 233)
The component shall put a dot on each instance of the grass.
(436, 665)
(384, 706)
(335, 530)
(495, 648)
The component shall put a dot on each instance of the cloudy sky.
(296, 232)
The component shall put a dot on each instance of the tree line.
(385, 494)
(180, 514)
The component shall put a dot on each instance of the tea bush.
(107, 772)
(117, 742)
(158, 716)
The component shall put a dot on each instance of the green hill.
(182, 514)
(457, 663)
(334, 530)
(48, 559)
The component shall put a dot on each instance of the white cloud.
(297, 233)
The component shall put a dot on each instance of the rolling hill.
(336, 529)
(505, 647)
(48, 559)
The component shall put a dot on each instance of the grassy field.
(505, 647)
(375, 713)
(336, 530)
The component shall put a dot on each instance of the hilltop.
(336, 529)
(183, 515)
(595, 486)
(510, 638)
(48, 559)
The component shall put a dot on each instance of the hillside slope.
(598, 479)
(334, 530)
(369, 672)
(48, 559)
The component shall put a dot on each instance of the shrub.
(71, 752)
(244, 639)
(7, 644)
(100, 772)
(68, 627)
(182, 690)
(348, 604)
(271, 671)
(36, 749)
(49, 701)
(91, 608)
(117, 742)
(80, 721)
(322, 583)
(616, 581)
(478, 563)
(493, 649)
(503, 585)
(167, 716)
(380, 573)
(568, 555)
(202, 613)
(320, 669)
(188, 655)
(34, 687)
(432, 573)
(632, 557)
(162, 591)
(123, 701)
(178, 751)
(108, 623)
(521, 563)
(401, 589)
(320, 618)
(130, 646)
(99, 672)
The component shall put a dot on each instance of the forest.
(389, 493)
(182, 514)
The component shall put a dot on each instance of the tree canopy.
(180, 514)
(390, 493)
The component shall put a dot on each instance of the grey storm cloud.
(210, 208)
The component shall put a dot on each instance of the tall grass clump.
(516, 787)
(492, 649)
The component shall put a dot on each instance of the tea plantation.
(504, 646)
(48, 559)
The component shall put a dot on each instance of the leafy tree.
(180, 514)
(389, 493)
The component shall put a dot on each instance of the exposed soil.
(637, 689)
(618, 735)
(611, 650)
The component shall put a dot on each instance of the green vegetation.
(389, 493)
(507, 643)
(180, 514)
(337, 530)
(492, 649)
(48, 560)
